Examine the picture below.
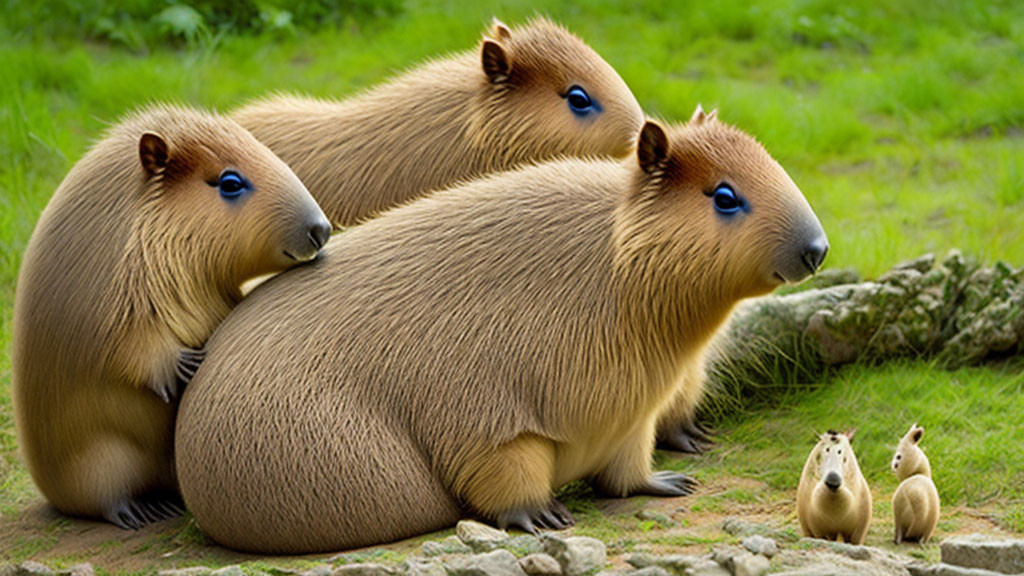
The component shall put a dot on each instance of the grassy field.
(902, 122)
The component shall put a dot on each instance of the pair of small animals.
(833, 500)
(468, 350)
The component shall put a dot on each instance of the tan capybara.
(833, 500)
(915, 505)
(138, 256)
(527, 94)
(473, 351)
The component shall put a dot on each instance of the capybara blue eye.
(726, 201)
(231, 184)
(579, 101)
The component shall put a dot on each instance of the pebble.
(577, 555)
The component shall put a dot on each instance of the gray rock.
(523, 545)
(8, 569)
(656, 517)
(494, 563)
(30, 568)
(747, 564)
(760, 545)
(948, 570)
(850, 550)
(480, 537)
(985, 552)
(707, 567)
(450, 545)
(650, 571)
(423, 567)
(577, 555)
(84, 569)
(193, 571)
(677, 563)
(540, 564)
(364, 569)
(228, 571)
(318, 570)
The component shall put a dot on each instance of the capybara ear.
(499, 30)
(153, 153)
(713, 115)
(916, 434)
(652, 148)
(699, 116)
(495, 61)
(849, 433)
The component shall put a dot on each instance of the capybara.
(139, 254)
(833, 500)
(473, 351)
(915, 505)
(527, 94)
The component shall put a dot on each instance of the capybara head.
(222, 204)
(832, 462)
(909, 458)
(742, 224)
(547, 94)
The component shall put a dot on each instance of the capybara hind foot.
(689, 438)
(666, 483)
(136, 513)
(553, 516)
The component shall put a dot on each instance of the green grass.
(902, 122)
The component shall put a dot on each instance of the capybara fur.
(527, 94)
(833, 500)
(139, 254)
(473, 351)
(915, 505)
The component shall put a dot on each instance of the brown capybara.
(474, 350)
(833, 500)
(526, 94)
(915, 504)
(140, 253)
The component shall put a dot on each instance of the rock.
(707, 567)
(760, 545)
(943, 569)
(30, 568)
(421, 567)
(193, 571)
(676, 563)
(228, 571)
(318, 570)
(985, 552)
(523, 545)
(657, 518)
(84, 569)
(540, 565)
(850, 550)
(363, 569)
(650, 571)
(494, 563)
(747, 564)
(577, 555)
(480, 537)
(450, 545)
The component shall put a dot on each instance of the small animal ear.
(849, 433)
(698, 116)
(916, 434)
(495, 61)
(499, 29)
(713, 115)
(153, 153)
(652, 148)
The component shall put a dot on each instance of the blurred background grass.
(902, 122)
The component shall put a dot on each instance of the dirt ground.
(671, 525)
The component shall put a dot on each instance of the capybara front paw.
(188, 362)
(135, 513)
(688, 438)
(553, 516)
(667, 483)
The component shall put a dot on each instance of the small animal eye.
(231, 184)
(726, 201)
(579, 101)
(898, 456)
(840, 450)
(827, 449)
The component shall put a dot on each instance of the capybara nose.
(833, 481)
(319, 233)
(814, 253)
